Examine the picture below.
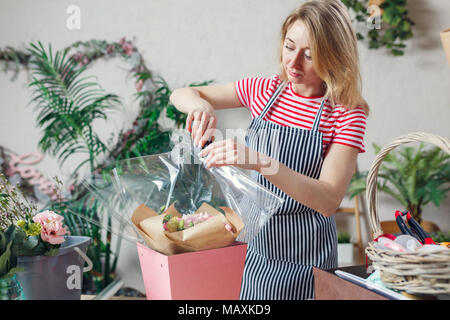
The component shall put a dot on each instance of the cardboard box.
(214, 274)
(209, 234)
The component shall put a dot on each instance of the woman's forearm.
(188, 99)
(313, 193)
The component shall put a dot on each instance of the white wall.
(194, 40)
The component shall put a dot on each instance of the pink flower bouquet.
(44, 233)
(52, 229)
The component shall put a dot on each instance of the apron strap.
(316, 124)
(272, 99)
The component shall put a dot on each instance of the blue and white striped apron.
(280, 258)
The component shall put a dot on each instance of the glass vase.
(10, 289)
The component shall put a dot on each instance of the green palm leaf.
(67, 105)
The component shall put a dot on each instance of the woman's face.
(296, 58)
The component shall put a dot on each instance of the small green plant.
(9, 251)
(13, 205)
(343, 237)
(412, 176)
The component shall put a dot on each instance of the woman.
(308, 123)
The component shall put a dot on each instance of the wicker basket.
(415, 273)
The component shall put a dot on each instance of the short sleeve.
(351, 128)
(248, 89)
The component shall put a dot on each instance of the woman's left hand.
(228, 152)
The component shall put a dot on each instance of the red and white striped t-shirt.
(338, 124)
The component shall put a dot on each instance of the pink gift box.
(214, 274)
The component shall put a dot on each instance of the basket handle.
(371, 183)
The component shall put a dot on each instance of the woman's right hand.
(201, 123)
(200, 103)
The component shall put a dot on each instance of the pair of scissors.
(414, 229)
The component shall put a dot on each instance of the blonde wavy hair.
(334, 50)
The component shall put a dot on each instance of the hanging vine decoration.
(386, 23)
(13, 60)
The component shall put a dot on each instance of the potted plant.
(441, 237)
(413, 176)
(40, 246)
(345, 248)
